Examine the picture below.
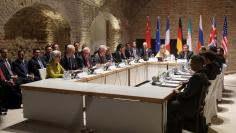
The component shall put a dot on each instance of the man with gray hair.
(68, 62)
(86, 58)
(100, 56)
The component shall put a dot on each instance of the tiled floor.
(225, 122)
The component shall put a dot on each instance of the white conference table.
(131, 75)
(110, 106)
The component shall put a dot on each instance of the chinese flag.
(148, 32)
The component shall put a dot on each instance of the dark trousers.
(11, 96)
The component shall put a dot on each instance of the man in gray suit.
(100, 56)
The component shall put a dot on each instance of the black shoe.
(3, 111)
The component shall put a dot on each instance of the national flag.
(167, 38)
(157, 44)
(213, 34)
(224, 41)
(179, 44)
(148, 32)
(189, 34)
(200, 36)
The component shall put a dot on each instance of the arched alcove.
(105, 29)
(38, 22)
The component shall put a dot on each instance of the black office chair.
(197, 123)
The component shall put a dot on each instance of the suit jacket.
(145, 54)
(69, 64)
(129, 53)
(33, 67)
(20, 68)
(190, 96)
(189, 55)
(212, 70)
(5, 70)
(221, 60)
(100, 59)
(2, 76)
(119, 57)
(110, 58)
(89, 62)
(46, 58)
(54, 70)
(137, 52)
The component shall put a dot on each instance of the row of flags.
(179, 45)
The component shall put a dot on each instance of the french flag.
(200, 35)
(167, 38)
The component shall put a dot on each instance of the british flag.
(213, 34)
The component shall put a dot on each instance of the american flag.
(224, 41)
(213, 34)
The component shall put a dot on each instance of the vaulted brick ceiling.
(130, 8)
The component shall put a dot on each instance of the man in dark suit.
(6, 65)
(128, 51)
(77, 46)
(77, 54)
(145, 52)
(186, 53)
(47, 54)
(100, 57)
(36, 63)
(135, 51)
(87, 61)
(10, 93)
(20, 67)
(69, 62)
(186, 102)
(212, 67)
(9, 81)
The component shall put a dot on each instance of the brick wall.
(184, 9)
(130, 16)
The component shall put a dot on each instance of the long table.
(131, 75)
(111, 104)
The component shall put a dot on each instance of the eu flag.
(157, 44)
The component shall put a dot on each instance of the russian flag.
(167, 38)
(200, 36)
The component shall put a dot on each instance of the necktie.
(40, 64)
(134, 52)
(24, 67)
(7, 64)
(70, 63)
(185, 55)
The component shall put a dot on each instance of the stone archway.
(105, 29)
(39, 22)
